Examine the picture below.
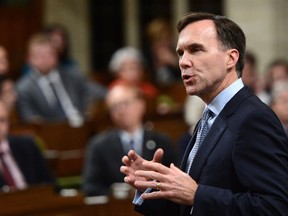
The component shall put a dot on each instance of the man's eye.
(196, 49)
(179, 54)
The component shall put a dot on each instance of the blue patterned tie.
(132, 144)
(201, 133)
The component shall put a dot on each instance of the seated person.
(21, 161)
(4, 63)
(53, 92)
(8, 96)
(7, 91)
(60, 38)
(161, 54)
(104, 151)
(127, 64)
(279, 102)
(277, 71)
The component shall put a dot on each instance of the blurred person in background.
(128, 66)
(4, 62)
(249, 73)
(104, 151)
(21, 161)
(277, 71)
(279, 102)
(61, 40)
(8, 96)
(163, 61)
(53, 92)
(7, 86)
(253, 79)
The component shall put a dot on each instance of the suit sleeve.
(260, 161)
(25, 105)
(94, 169)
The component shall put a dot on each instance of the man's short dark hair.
(229, 33)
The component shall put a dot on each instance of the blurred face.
(206, 69)
(248, 74)
(278, 73)
(58, 41)
(8, 94)
(43, 57)
(4, 64)
(125, 109)
(131, 71)
(280, 107)
(4, 122)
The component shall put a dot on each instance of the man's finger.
(158, 155)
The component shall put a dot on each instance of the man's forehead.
(202, 27)
(197, 31)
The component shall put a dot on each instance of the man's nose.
(185, 61)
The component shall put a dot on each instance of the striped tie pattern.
(201, 133)
(132, 144)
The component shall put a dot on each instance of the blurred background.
(94, 30)
(98, 28)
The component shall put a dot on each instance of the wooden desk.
(63, 145)
(43, 201)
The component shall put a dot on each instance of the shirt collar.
(225, 96)
(136, 136)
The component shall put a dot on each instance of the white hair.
(122, 55)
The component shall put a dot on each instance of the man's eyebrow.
(191, 46)
(195, 45)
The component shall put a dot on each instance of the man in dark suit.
(241, 166)
(52, 91)
(21, 162)
(104, 152)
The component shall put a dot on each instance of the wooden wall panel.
(18, 21)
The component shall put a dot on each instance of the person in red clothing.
(128, 66)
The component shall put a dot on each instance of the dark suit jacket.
(104, 158)
(32, 102)
(241, 167)
(30, 161)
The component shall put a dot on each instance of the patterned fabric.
(132, 144)
(201, 133)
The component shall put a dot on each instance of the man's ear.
(233, 56)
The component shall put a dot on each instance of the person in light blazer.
(241, 166)
(126, 106)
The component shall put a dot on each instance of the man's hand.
(169, 183)
(133, 162)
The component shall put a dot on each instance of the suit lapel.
(189, 148)
(213, 135)
(207, 146)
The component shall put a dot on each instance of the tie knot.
(206, 114)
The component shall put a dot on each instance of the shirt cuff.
(138, 200)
